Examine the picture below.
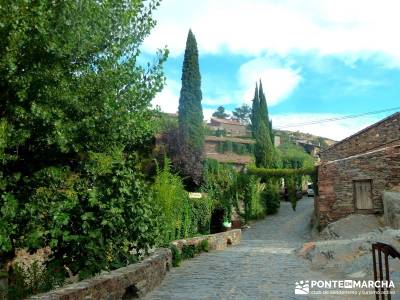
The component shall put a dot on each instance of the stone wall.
(136, 280)
(217, 241)
(211, 147)
(382, 133)
(133, 281)
(391, 207)
(335, 182)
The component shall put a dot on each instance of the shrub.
(200, 215)
(176, 256)
(220, 183)
(75, 108)
(249, 189)
(271, 198)
(188, 251)
(172, 199)
(204, 245)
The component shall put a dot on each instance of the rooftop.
(393, 116)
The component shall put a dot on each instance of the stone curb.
(135, 280)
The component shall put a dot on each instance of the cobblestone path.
(263, 266)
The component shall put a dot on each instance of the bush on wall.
(173, 201)
(74, 110)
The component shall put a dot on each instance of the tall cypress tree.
(264, 149)
(263, 105)
(191, 133)
(264, 115)
(254, 113)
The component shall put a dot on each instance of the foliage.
(290, 176)
(291, 186)
(166, 122)
(25, 282)
(293, 156)
(242, 113)
(271, 197)
(249, 192)
(191, 132)
(204, 247)
(179, 216)
(172, 199)
(228, 188)
(75, 109)
(255, 116)
(220, 113)
(264, 150)
(200, 215)
(188, 251)
(220, 183)
(176, 256)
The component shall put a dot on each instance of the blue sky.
(317, 58)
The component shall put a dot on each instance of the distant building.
(231, 127)
(212, 145)
(355, 171)
(277, 140)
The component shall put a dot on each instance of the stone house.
(355, 172)
(211, 145)
(231, 127)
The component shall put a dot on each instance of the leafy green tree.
(242, 113)
(75, 106)
(220, 113)
(191, 132)
(294, 157)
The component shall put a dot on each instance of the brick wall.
(335, 181)
(384, 132)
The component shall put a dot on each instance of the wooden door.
(363, 195)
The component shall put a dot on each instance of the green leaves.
(75, 105)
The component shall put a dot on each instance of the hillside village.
(230, 141)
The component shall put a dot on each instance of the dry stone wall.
(382, 133)
(136, 280)
(336, 180)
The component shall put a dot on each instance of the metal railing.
(387, 251)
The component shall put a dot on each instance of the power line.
(338, 118)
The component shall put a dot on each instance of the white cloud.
(336, 130)
(168, 98)
(278, 81)
(358, 28)
(217, 101)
